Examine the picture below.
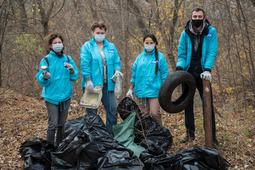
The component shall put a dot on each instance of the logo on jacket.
(111, 51)
(154, 61)
(209, 35)
(65, 62)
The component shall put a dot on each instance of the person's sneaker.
(188, 139)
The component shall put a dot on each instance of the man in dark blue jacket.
(196, 54)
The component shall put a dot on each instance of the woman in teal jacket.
(99, 63)
(57, 87)
(149, 72)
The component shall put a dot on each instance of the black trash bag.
(109, 149)
(199, 158)
(73, 152)
(96, 126)
(128, 106)
(87, 141)
(155, 158)
(148, 132)
(119, 159)
(36, 153)
(74, 125)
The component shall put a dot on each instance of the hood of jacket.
(205, 30)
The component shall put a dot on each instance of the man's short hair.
(197, 10)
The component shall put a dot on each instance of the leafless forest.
(25, 23)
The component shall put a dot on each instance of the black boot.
(190, 136)
(188, 139)
(50, 136)
(216, 144)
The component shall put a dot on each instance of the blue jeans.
(110, 104)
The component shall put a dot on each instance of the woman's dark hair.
(156, 50)
(49, 39)
(97, 24)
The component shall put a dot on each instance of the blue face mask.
(99, 38)
(149, 48)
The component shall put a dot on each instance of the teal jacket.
(209, 50)
(92, 64)
(147, 83)
(58, 88)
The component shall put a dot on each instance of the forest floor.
(23, 117)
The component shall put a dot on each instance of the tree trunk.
(161, 28)
(140, 22)
(237, 53)
(253, 2)
(4, 15)
(124, 45)
(247, 34)
(23, 15)
(172, 33)
(219, 83)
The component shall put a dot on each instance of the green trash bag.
(123, 133)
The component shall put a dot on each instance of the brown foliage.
(23, 117)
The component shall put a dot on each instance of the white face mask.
(57, 47)
(99, 38)
(149, 48)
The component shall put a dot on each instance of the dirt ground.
(23, 117)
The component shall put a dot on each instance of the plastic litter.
(148, 132)
(87, 141)
(92, 99)
(199, 158)
(88, 145)
(117, 79)
(119, 160)
(123, 133)
(36, 153)
(155, 158)
(128, 106)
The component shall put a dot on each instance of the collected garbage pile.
(137, 144)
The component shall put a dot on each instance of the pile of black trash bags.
(143, 145)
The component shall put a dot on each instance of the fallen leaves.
(23, 117)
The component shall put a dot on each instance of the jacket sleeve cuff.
(88, 79)
(207, 69)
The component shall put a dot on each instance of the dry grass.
(23, 117)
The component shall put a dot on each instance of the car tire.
(167, 88)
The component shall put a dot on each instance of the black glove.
(178, 68)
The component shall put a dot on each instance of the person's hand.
(206, 75)
(118, 73)
(46, 75)
(69, 67)
(89, 86)
(130, 94)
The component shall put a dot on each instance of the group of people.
(100, 62)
